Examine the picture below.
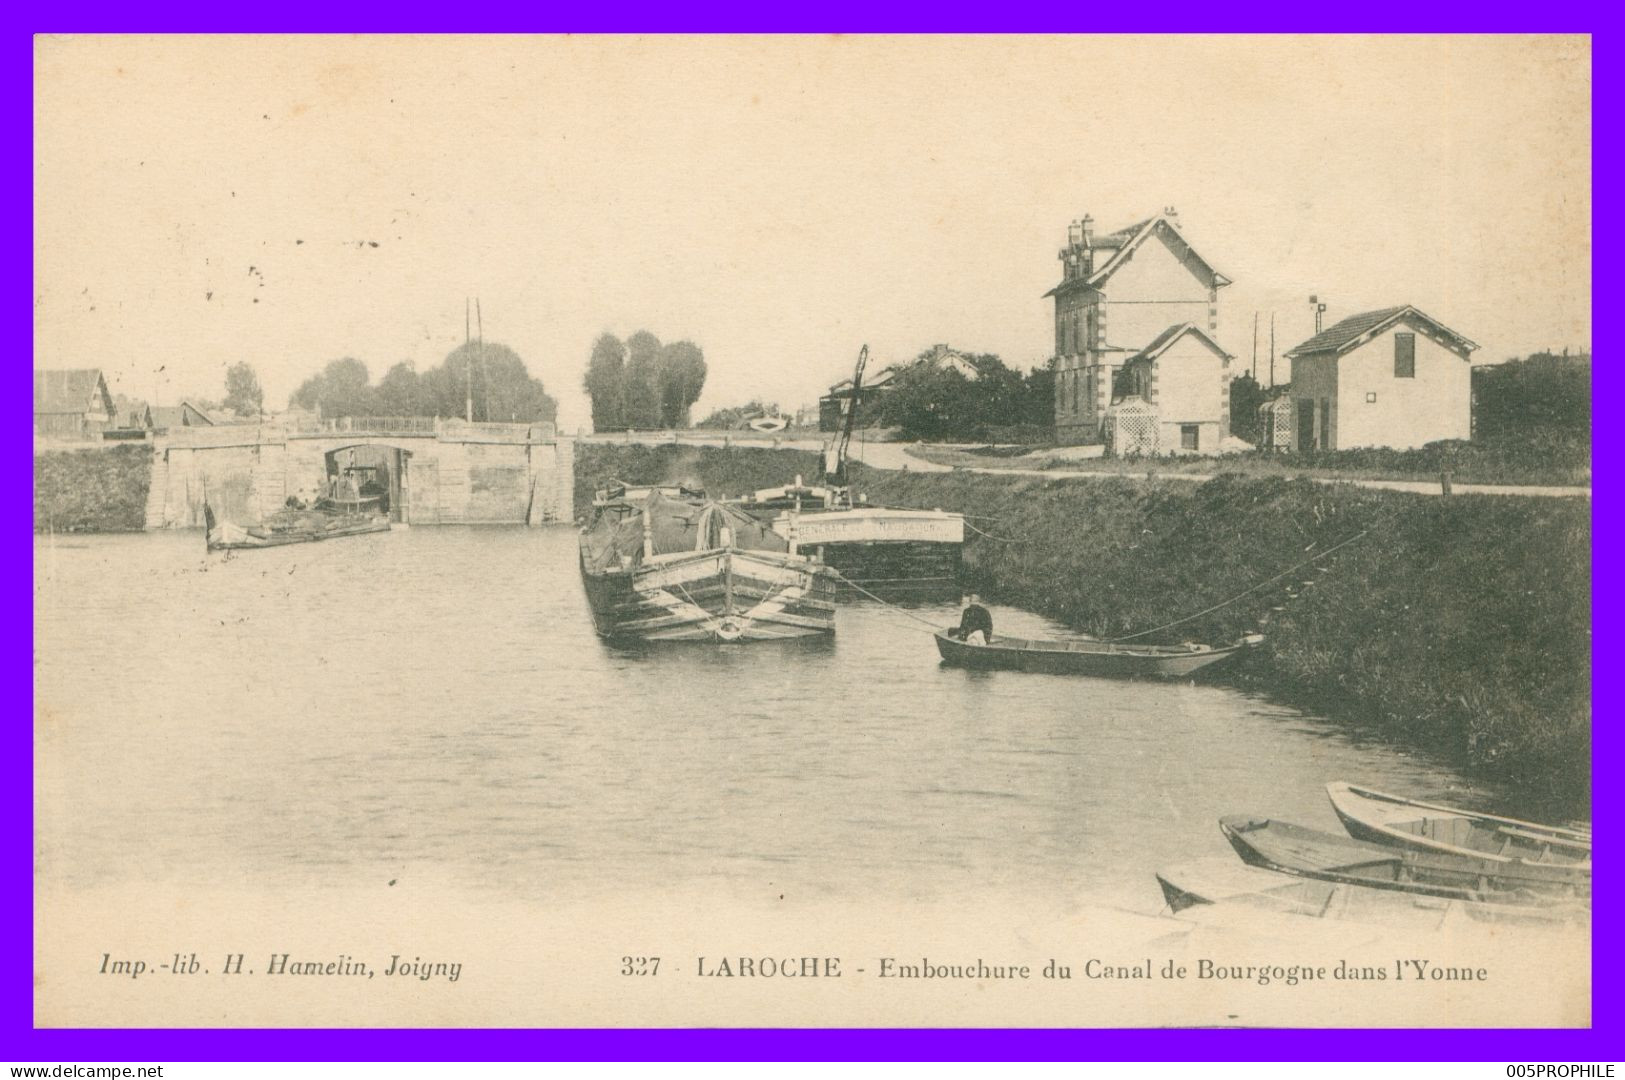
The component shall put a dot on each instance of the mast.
(485, 380)
(835, 455)
(468, 364)
(1255, 346)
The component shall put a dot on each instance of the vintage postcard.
(1026, 532)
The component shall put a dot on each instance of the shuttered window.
(1404, 356)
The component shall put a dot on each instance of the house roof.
(1165, 340)
(1128, 240)
(166, 416)
(69, 390)
(1358, 329)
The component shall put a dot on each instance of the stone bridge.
(436, 472)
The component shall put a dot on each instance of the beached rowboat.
(1234, 887)
(1085, 657)
(1400, 822)
(1292, 849)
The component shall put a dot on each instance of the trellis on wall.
(1131, 428)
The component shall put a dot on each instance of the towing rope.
(1245, 592)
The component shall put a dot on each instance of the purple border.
(20, 1042)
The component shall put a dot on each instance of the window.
(1325, 423)
(1190, 436)
(1404, 356)
(1371, 397)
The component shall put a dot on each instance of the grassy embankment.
(1561, 462)
(99, 490)
(1460, 626)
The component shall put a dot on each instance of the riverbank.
(1556, 462)
(1460, 626)
(102, 489)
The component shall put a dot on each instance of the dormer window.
(1404, 356)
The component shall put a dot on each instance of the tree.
(340, 390)
(493, 378)
(1246, 396)
(680, 378)
(605, 383)
(243, 393)
(399, 393)
(642, 381)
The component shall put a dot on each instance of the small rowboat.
(287, 527)
(1232, 886)
(1085, 657)
(1400, 822)
(1292, 849)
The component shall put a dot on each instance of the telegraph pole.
(1255, 346)
(1272, 348)
(468, 363)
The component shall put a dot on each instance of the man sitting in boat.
(976, 619)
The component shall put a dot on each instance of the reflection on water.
(434, 701)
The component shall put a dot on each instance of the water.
(433, 702)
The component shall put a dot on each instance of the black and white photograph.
(812, 531)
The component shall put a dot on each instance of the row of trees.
(640, 384)
(492, 376)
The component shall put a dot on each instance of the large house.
(1139, 301)
(1396, 377)
(72, 404)
(833, 406)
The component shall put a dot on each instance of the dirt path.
(893, 455)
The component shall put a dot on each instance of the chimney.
(1172, 215)
(1087, 225)
(1074, 234)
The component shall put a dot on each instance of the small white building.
(1396, 377)
(1183, 376)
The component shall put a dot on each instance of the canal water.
(433, 703)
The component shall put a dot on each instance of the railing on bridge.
(366, 425)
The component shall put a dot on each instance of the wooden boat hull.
(1080, 657)
(230, 538)
(1406, 823)
(879, 551)
(720, 595)
(1292, 849)
(1238, 886)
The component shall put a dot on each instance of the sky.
(781, 202)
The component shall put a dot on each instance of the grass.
(1460, 625)
(95, 490)
(1555, 461)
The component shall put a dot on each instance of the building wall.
(1314, 379)
(1406, 413)
(1188, 384)
(1152, 291)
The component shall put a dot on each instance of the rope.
(902, 611)
(990, 536)
(1238, 596)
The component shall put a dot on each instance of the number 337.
(640, 965)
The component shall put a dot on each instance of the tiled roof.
(1339, 336)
